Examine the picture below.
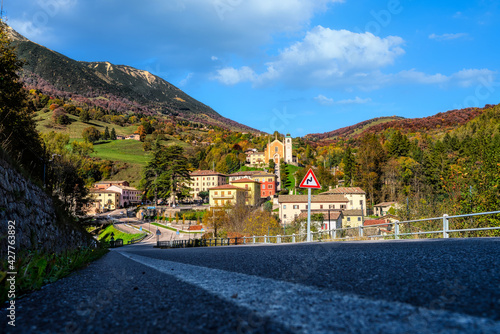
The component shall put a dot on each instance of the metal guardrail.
(423, 228)
(138, 239)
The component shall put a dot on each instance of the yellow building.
(277, 150)
(227, 194)
(104, 200)
(252, 188)
(352, 218)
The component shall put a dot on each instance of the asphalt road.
(431, 286)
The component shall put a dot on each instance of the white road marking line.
(306, 309)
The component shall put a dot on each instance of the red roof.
(205, 172)
(375, 222)
(225, 186)
(244, 181)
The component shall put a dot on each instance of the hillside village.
(337, 208)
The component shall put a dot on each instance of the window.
(321, 206)
(361, 202)
(263, 186)
(350, 202)
(348, 219)
(246, 186)
(342, 206)
(270, 186)
(284, 207)
(359, 219)
(222, 193)
(229, 193)
(284, 216)
(216, 193)
(295, 206)
(269, 180)
(331, 206)
(307, 206)
(276, 149)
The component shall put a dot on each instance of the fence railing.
(469, 225)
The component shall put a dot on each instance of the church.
(276, 151)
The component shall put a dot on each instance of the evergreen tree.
(106, 135)
(113, 134)
(18, 134)
(165, 173)
(349, 167)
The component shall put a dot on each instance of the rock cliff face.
(37, 224)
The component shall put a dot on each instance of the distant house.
(128, 195)
(242, 175)
(227, 194)
(382, 226)
(352, 218)
(120, 137)
(334, 221)
(203, 180)
(107, 184)
(104, 200)
(267, 183)
(134, 136)
(355, 195)
(252, 189)
(382, 209)
(291, 206)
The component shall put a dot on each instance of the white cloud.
(324, 100)
(232, 76)
(321, 99)
(356, 100)
(186, 80)
(214, 58)
(27, 29)
(448, 37)
(326, 56)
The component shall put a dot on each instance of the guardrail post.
(396, 229)
(253, 239)
(446, 226)
(278, 239)
(360, 231)
(334, 234)
(265, 239)
(293, 237)
(244, 240)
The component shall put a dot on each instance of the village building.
(107, 184)
(352, 218)
(128, 195)
(278, 150)
(103, 200)
(252, 189)
(383, 208)
(227, 194)
(291, 206)
(267, 184)
(331, 219)
(203, 180)
(355, 195)
(242, 175)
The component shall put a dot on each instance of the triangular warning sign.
(310, 181)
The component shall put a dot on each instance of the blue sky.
(296, 66)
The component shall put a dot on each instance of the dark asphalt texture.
(116, 295)
(459, 275)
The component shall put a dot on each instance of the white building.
(355, 195)
(291, 206)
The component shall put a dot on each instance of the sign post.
(310, 182)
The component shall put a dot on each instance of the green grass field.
(105, 235)
(76, 127)
(291, 170)
(129, 151)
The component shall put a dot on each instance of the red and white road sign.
(310, 181)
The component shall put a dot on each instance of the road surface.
(430, 286)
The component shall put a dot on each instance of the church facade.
(277, 150)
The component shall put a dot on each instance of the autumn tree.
(91, 134)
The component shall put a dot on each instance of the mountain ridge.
(121, 82)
